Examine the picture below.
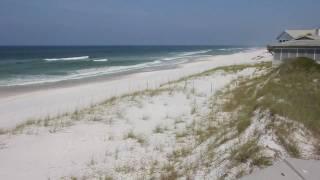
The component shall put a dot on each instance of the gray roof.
(311, 37)
(298, 33)
(296, 43)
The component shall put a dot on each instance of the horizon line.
(83, 45)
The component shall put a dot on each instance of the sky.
(152, 22)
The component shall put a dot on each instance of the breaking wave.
(231, 49)
(100, 60)
(186, 55)
(195, 52)
(68, 58)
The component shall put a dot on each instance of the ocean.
(25, 65)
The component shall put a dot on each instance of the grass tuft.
(245, 152)
(139, 138)
(261, 161)
(283, 135)
(159, 130)
(169, 172)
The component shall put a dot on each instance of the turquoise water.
(33, 64)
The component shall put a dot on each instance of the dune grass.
(138, 137)
(245, 152)
(291, 90)
(250, 151)
(225, 69)
(282, 131)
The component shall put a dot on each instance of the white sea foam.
(79, 74)
(100, 60)
(171, 58)
(185, 54)
(195, 52)
(230, 49)
(68, 58)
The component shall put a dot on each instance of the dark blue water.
(34, 64)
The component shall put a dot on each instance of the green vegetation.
(126, 169)
(139, 138)
(203, 133)
(291, 90)
(261, 161)
(193, 108)
(169, 172)
(245, 152)
(159, 130)
(108, 178)
(282, 131)
(20, 127)
(181, 152)
(250, 151)
(226, 69)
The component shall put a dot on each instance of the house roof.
(298, 33)
(310, 37)
(296, 43)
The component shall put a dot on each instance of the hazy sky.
(152, 22)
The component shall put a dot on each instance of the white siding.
(276, 54)
(285, 54)
(292, 53)
(282, 54)
(318, 54)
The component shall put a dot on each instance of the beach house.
(296, 43)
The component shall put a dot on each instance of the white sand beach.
(16, 109)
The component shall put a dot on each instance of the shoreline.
(14, 90)
(58, 98)
(10, 91)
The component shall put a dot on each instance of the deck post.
(297, 52)
(280, 54)
(314, 54)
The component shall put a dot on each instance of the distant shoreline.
(8, 91)
(41, 65)
(13, 90)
